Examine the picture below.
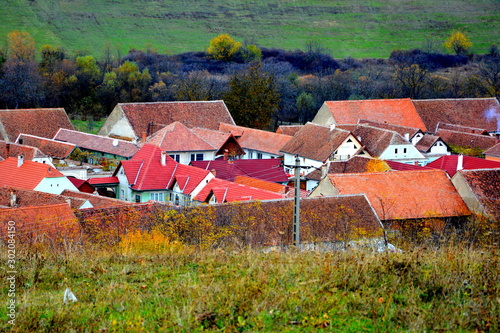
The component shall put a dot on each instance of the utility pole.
(296, 204)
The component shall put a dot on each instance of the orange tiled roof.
(225, 191)
(50, 147)
(39, 122)
(177, 137)
(255, 139)
(400, 112)
(355, 164)
(26, 176)
(10, 149)
(25, 198)
(262, 184)
(404, 194)
(288, 129)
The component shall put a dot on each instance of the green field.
(353, 28)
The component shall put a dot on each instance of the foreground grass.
(184, 290)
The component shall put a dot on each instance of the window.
(176, 157)
(404, 150)
(250, 154)
(259, 155)
(396, 151)
(122, 194)
(137, 198)
(157, 196)
(196, 157)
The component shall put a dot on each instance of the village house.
(257, 144)
(467, 140)
(9, 149)
(136, 121)
(411, 134)
(39, 122)
(55, 149)
(432, 147)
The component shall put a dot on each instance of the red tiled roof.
(97, 143)
(250, 138)
(25, 198)
(315, 142)
(449, 163)
(404, 194)
(459, 111)
(400, 112)
(206, 114)
(39, 122)
(52, 148)
(103, 180)
(288, 129)
(262, 184)
(225, 191)
(266, 169)
(177, 137)
(398, 166)
(469, 140)
(26, 176)
(10, 149)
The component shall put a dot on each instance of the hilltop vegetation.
(358, 29)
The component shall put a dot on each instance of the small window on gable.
(404, 150)
(349, 140)
(395, 150)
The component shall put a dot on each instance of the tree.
(224, 47)
(253, 97)
(196, 86)
(411, 81)
(21, 46)
(458, 43)
(306, 106)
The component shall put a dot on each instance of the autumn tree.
(458, 43)
(224, 47)
(197, 86)
(306, 107)
(411, 80)
(253, 97)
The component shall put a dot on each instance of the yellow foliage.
(376, 165)
(458, 43)
(21, 46)
(139, 242)
(223, 47)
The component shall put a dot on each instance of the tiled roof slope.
(315, 142)
(402, 130)
(39, 122)
(97, 201)
(9, 149)
(426, 142)
(35, 198)
(355, 164)
(459, 128)
(26, 176)
(449, 163)
(97, 143)
(206, 114)
(400, 112)
(255, 139)
(404, 194)
(176, 137)
(49, 147)
(288, 129)
(469, 140)
(459, 111)
(225, 191)
(266, 169)
(493, 151)
(262, 184)
(398, 166)
(219, 140)
(485, 184)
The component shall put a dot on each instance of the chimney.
(460, 162)
(226, 154)
(68, 201)
(214, 172)
(407, 136)
(20, 160)
(143, 136)
(163, 158)
(324, 171)
(7, 149)
(13, 199)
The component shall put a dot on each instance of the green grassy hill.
(356, 28)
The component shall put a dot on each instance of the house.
(493, 153)
(432, 147)
(39, 122)
(480, 190)
(257, 144)
(9, 149)
(270, 170)
(185, 144)
(453, 163)
(400, 195)
(411, 134)
(400, 112)
(467, 140)
(315, 144)
(17, 172)
(386, 144)
(100, 147)
(55, 149)
(82, 185)
(153, 175)
(13, 197)
(476, 112)
(135, 121)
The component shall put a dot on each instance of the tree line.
(262, 87)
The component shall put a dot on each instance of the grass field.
(179, 289)
(353, 28)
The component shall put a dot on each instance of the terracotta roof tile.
(220, 140)
(176, 137)
(225, 191)
(459, 128)
(10, 149)
(376, 140)
(485, 185)
(26, 176)
(52, 148)
(450, 163)
(402, 130)
(97, 201)
(39, 122)
(469, 140)
(25, 198)
(398, 166)
(426, 142)
(460, 111)
(255, 139)
(97, 143)
(262, 184)
(400, 112)
(493, 151)
(404, 194)
(288, 129)
(315, 142)
(355, 164)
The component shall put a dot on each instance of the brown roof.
(402, 130)
(463, 139)
(460, 111)
(493, 151)
(220, 140)
(404, 194)
(288, 129)
(97, 201)
(97, 143)
(52, 148)
(255, 139)
(208, 114)
(485, 185)
(355, 164)
(25, 198)
(39, 122)
(315, 142)
(376, 140)
(426, 142)
(392, 111)
(177, 137)
(460, 128)
(262, 184)
(10, 149)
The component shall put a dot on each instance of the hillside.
(353, 28)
